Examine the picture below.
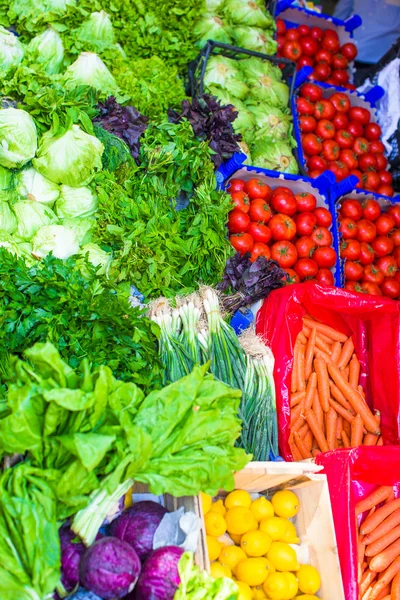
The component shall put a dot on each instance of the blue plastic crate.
(306, 16)
(320, 187)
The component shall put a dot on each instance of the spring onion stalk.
(190, 316)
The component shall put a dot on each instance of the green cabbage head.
(76, 202)
(11, 51)
(33, 186)
(97, 31)
(89, 69)
(47, 50)
(18, 138)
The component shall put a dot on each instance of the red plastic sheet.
(353, 474)
(374, 323)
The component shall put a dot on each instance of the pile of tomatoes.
(319, 49)
(342, 138)
(289, 228)
(371, 247)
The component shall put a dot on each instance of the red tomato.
(382, 245)
(370, 180)
(280, 26)
(395, 237)
(381, 162)
(304, 61)
(292, 277)
(242, 242)
(260, 249)
(325, 257)
(385, 190)
(373, 274)
(331, 42)
(348, 229)
(371, 288)
(325, 277)
(305, 223)
(367, 161)
(396, 256)
(367, 255)
(351, 209)
(323, 217)
(323, 56)
(366, 231)
(281, 41)
(307, 124)
(359, 114)
(292, 34)
(390, 288)
(284, 203)
(349, 50)
(353, 286)
(376, 146)
(360, 145)
(304, 107)
(350, 249)
(305, 202)
(397, 276)
(292, 50)
(260, 211)
(321, 71)
(284, 253)
(282, 189)
(236, 185)
(305, 247)
(303, 30)
(359, 176)
(282, 228)
(372, 132)
(257, 188)
(340, 76)
(311, 144)
(371, 209)
(330, 150)
(316, 33)
(241, 201)
(325, 129)
(259, 232)
(308, 46)
(350, 86)
(386, 177)
(388, 265)
(394, 212)
(321, 236)
(339, 169)
(238, 221)
(306, 268)
(349, 158)
(384, 223)
(340, 62)
(344, 139)
(353, 271)
(324, 109)
(355, 128)
(317, 162)
(315, 173)
(311, 92)
(340, 120)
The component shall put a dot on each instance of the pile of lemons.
(261, 559)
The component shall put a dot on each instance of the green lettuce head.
(266, 88)
(225, 73)
(58, 239)
(271, 121)
(11, 51)
(82, 227)
(275, 155)
(89, 69)
(97, 257)
(9, 243)
(31, 216)
(211, 27)
(97, 31)
(37, 9)
(8, 220)
(214, 5)
(254, 38)
(249, 12)
(47, 50)
(76, 202)
(6, 178)
(71, 159)
(18, 138)
(255, 69)
(32, 185)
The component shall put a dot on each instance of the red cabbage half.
(159, 578)
(109, 568)
(70, 558)
(137, 526)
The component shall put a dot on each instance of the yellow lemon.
(231, 556)
(239, 520)
(261, 509)
(309, 597)
(214, 547)
(258, 593)
(206, 502)
(235, 538)
(286, 504)
(217, 570)
(281, 586)
(290, 536)
(253, 571)
(245, 592)
(275, 527)
(309, 579)
(255, 543)
(215, 524)
(283, 557)
(218, 507)
(238, 498)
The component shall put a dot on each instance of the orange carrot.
(322, 341)
(368, 578)
(302, 338)
(347, 352)
(347, 427)
(331, 333)
(390, 497)
(315, 452)
(383, 542)
(395, 588)
(315, 428)
(331, 417)
(354, 371)
(297, 425)
(371, 522)
(345, 372)
(337, 395)
(339, 427)
(361, 390)
(295, 413)
(348, 416)
(319, 413)
(357, 403)
(357, 427)
(381, 561)
(308, 440)
(301, 447)
(387, 525)
(310, 353)
(295, 453)
(321, 344)
(296, 398)
(346, 440)
(327, 358)
(384, 593)
(386, 578)
(336, 351)
(303, 431)
(377, 496)
(370, 439)
(380, 441)
(311, 388)
(323, 383)
(293, 382)
(301, 380)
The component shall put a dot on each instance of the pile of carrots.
(328, 406)
(379, 546)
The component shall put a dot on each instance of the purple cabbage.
(159, 578)
(71, 554)
(109, 568)
(137, 526)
